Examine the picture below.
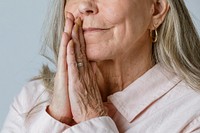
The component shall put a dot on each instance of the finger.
(83, 47)
(71, 62)
(75, 37)
(69, 15)
(69, 22)
(78, 53)
(82, 40)
(62, 53)
(63, 46)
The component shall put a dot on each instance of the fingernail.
(78, 21)
(69, 15)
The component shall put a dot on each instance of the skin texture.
(113, 56)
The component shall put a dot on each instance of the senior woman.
(128, 66)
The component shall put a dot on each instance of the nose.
(87, 8)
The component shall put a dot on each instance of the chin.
(100, 51)
(96, 55)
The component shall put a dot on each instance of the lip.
(92, 29)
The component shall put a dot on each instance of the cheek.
(115, 14)
(128, 17)
(111, 16)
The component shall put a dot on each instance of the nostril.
(87, 11)
(87, 8)
(90, 11)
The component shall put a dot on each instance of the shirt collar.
(152, 85)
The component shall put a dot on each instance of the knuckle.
(65, 39)
(68, 36)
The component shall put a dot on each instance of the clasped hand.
(76, 95)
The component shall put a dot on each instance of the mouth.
(93, 29)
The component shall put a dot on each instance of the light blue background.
(20, 30)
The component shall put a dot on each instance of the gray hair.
(177, 48)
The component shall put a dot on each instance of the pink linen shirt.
(157, 102)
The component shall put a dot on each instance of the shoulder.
(191, 104)
(185, 89)
(31, 94)
(184, 98)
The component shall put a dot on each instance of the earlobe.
(161, 8)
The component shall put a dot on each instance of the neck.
(122, 71)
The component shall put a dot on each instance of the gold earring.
(154, 35)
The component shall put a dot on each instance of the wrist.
(64, 118)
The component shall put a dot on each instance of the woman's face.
(113, 28)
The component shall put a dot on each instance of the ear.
(160, 9)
